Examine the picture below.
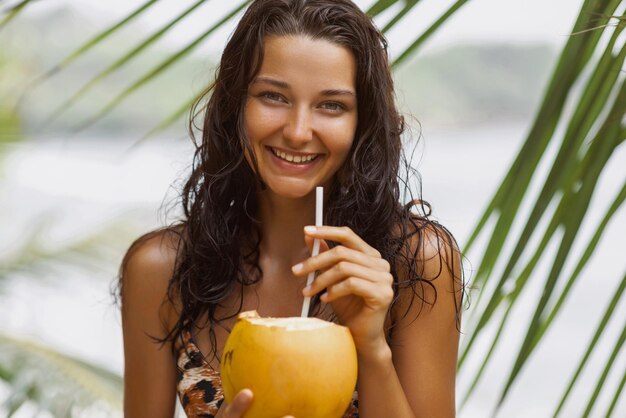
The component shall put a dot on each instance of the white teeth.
(298, 159)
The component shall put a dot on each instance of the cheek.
(260, 122)
(342, 133)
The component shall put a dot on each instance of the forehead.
(315, 63)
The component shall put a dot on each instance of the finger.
(343, 235)
(309, 243)
(343, 270)
(240, 404)
(373, 294)
(329, 258)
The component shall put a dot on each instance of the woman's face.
(301, 113)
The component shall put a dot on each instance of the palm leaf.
(592, 344)
(99, 38)
(607, 368)
(569, 215)
(428, 32)
(162, 67)
(54, 381)
(119, 63)
(593, 100)
(616, 395)
(12, 12)
(380, 6)
(84, 48)
(506, 202)
(582, 262)
(408, 6)
(571, 182)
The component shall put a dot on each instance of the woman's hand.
(240, 405)
(357, 282)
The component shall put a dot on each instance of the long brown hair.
(219, 234)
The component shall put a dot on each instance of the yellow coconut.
(304, 367)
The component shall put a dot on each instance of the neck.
(282, 223)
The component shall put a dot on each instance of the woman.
(303, 97)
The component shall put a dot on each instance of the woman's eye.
(333, 106)
(275, 97)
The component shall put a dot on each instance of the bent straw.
(319, 205)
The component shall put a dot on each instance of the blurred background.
(516, 114)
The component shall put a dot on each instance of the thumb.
(240, 404)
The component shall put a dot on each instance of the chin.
(291, 191)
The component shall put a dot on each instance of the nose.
(298, 129)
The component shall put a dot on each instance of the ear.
(309, 243)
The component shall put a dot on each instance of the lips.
(294, 158)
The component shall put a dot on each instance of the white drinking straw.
(319, 205)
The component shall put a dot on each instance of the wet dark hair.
(220, 236)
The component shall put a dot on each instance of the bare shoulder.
(148, 314)
(431, 270)
(146, 271)
(426, 317)
(437, 252)
(154, 252)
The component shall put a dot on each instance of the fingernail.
(310, 229)
(297, 268)
(306, 290)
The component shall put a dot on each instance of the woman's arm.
(416, 377)
(149, 369)
(419, 370)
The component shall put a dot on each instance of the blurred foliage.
(39, 255)
(10, 124)
(41, 377)
(60, 384)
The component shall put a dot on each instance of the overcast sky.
(525, 21)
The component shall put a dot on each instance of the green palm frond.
(594, 131)
(99, 38)
(63, 385)
(419, 41)
(592, 345)
(173, 59)
(82, 50)
(12, 12)
(408, 6)
(380, 6)
(119, 63)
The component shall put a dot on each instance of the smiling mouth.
(293, 158)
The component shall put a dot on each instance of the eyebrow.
(283, 85)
